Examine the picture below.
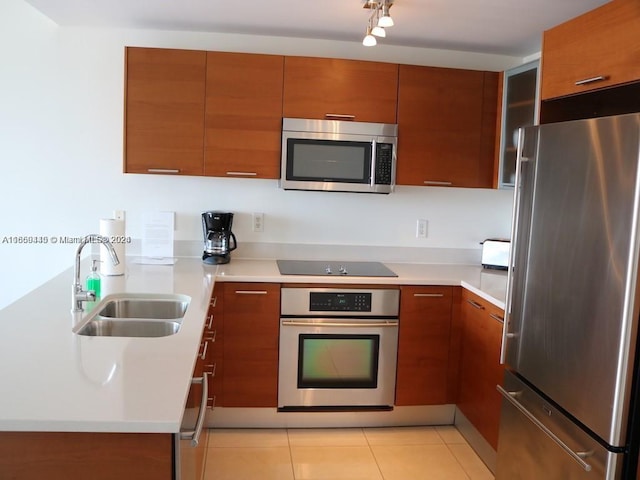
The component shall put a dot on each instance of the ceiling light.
(378, 31)
(369, 40)
(378, 20)
(385, 20)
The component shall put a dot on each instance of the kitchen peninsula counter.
(55, 380)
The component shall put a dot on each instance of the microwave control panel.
(384, 163)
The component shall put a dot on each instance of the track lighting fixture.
(379, 19)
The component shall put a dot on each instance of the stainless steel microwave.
(337, 155)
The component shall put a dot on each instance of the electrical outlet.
(421, 228)
(258, 222)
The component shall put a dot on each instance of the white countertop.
(489, 284)
(55, 380)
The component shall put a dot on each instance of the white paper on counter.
(157, 235)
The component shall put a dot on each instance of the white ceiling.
(508, 27)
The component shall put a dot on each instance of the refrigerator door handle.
(576, 456)
(512, 249)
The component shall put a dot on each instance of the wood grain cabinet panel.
(424, 346)
(596, 50)
(362, 91)
(446, 126)
(164, 111)
(243, 120)
(86, 455)
(251, 329)
(480, 368)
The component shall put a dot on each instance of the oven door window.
(338, 361)
(328, 160)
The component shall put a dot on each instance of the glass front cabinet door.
(519, 109)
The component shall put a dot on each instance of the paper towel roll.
(113, 229)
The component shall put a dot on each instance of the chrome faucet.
(78, 295)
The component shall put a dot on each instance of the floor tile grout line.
(293, 470)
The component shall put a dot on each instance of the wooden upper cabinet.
(446, 126)
(164, 111)
(321, 88)
(243, 119)
(598, 49)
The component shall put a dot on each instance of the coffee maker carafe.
(219, 240)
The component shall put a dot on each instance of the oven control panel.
(339, 302)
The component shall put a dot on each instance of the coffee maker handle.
(235, 244)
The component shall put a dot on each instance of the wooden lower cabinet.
(424, 346)
(90, 456)
(480, 368)
(251, 329)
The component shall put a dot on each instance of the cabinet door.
(596, 50)
(446, 127)
(480, 369)
(243, 115)
(335, 89)
(251, 326)
(423, 346)
(164, 111)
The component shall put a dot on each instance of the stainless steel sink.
(129, 328)
(135, 315)
(144, 308)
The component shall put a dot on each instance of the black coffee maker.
(219, 240)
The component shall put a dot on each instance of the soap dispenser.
(93, 279)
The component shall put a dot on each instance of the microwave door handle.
(374, 146)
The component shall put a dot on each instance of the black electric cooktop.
(334, 268)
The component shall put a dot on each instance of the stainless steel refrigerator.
(570, 402)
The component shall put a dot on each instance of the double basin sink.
(135, 315)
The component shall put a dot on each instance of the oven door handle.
(302, 323)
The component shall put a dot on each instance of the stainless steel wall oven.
(338, 348)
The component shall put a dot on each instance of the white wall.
(61, 111)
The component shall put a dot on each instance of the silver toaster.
(495, 253)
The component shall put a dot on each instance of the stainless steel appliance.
(495, 253)
(570, 408)
(219, 240)
(337, 155)
(338, 348)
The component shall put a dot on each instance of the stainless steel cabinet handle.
(212, 338)
(251, 292)
(212, 370)
(243, 174)
(434, 182)
(214, 300)
(213, 402)
(577, 456)
(341, 116)
(163, 170)
(431, 295)
(204, 351)
(298, 323)
(194, 435)
(210, 322)
(586, 81)
(475, 304)
(496, 317)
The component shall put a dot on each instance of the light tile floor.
(394, 453)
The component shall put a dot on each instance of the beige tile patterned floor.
(394, 453)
